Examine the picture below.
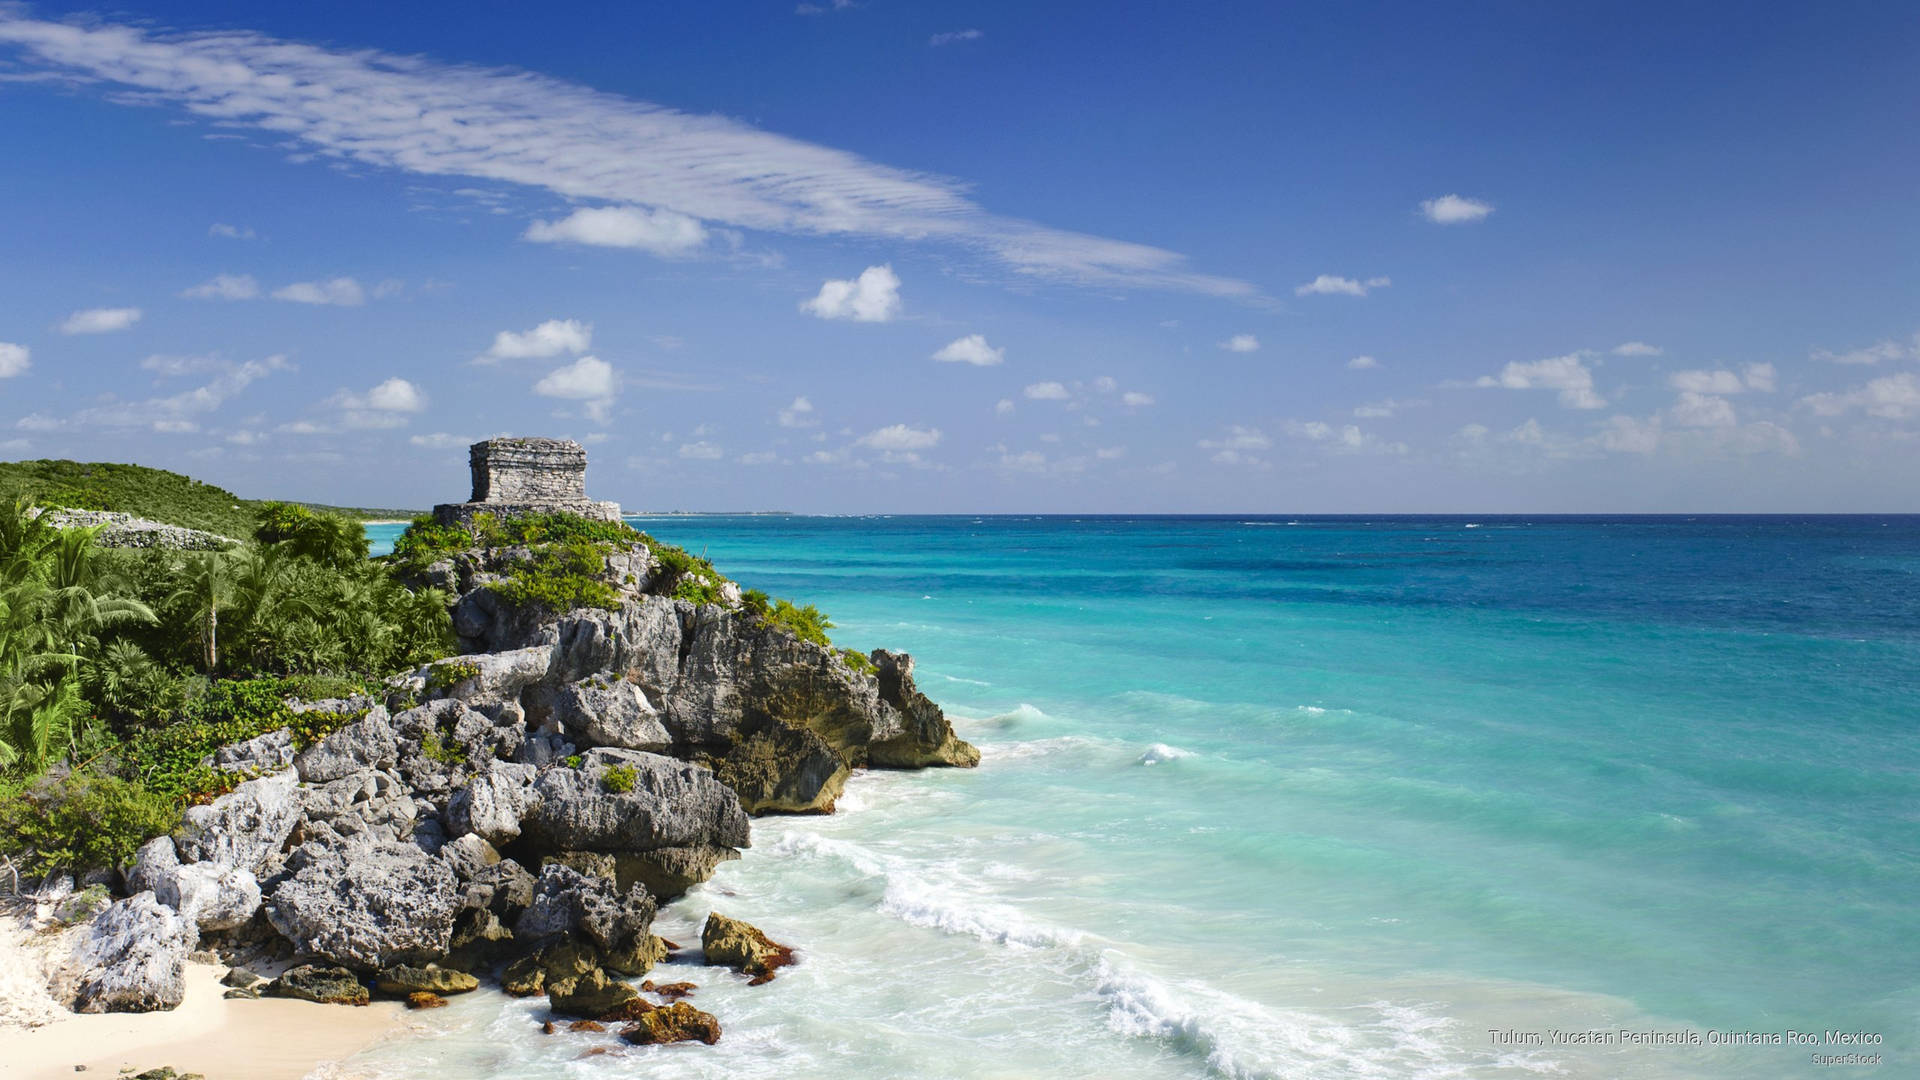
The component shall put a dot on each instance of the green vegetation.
(574, 761)
(438, 747)
(619, 779)
(132, 666)
(806, 623)
(155, 494)
(561, 576)
(450, 673)
(858, 661)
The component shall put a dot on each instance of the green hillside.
(149, 493)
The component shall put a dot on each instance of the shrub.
(561, 577)
(80, 822)
(619, 779)
(450, 673)
(438, 747)
(170, 761)
(574, 761)
(858, 661)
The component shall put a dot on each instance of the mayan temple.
(514, 476)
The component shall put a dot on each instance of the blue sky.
(984, 257)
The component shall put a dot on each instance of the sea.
(1325, 797)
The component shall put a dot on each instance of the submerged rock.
(322, 984)
(742, 947)
(133, 958)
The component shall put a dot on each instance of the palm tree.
(206, 585)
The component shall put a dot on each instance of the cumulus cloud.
(1344, 438)
(972, 349)
(1332, 285)
(1568, 374)
(169, 413)
(549, 339)
(1890, 351)
(224, 287)
(1362, 363)
(589, 379)
(1695, 409)
(1637, 348)
(874, 296)
(383, 406)
(1894, 397)
(1136, 399)
(1241, 343)
(701, 451)
(954, 37)
(441, 440)
(1047, 391)
(1003, 407)
(340, 292)
(900, 437)
(799, 414)
(100, 320)
(662, 232)
(14, 359)
(426, 118)
(1239, 446)
(1758, 377)
(168, 366)
(1455, 210)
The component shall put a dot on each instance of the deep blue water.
(1332, 796)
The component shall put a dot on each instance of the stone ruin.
(516, 476)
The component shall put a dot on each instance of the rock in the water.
(133, 959)
(425, 999)
(742, 947)
(672, 991)
(402, 980)
(367, 743)
(923, 736)
(784, 770)
(678, 1022)
(589, 994)
(246, 828)
(586, 1026)
(326, 985)
(491, 803)
(211, 895)
(600, 711)
(561, 960)
(667, 803)
(381, 906)
(667, 873)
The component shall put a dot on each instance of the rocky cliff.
(521, 808)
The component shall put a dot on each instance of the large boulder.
(667, 873)
(156, 862)
(133, 958)
(602, 711)
(402, 980)
(379, 906)
(359, 810)
(319, 983)
(212, 896)
(246, 828)
(626, 800)
(919, 734)
(678, 1022)
(783, 770)
(366, 744)
(491, 803)
(742, 947)
(589, 994)
(568, 902)
(267, 753)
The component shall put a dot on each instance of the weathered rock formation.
(527, 476)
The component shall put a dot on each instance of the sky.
(872, 256)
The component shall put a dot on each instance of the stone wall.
(528, 471)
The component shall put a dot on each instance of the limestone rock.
(383, 905)
(742, 947)
(133, 958)
(245, 828)
(598, 711)
(667, 873)
(678, 1022)
(402, 980)
(366, 744)
(213, 896)
(154, 863)
(555, 962)
(325, 985)
(425, 999)
(925, 737)
(568, 902)
(784, 770)
(468, 856)
(671, 804)
(361, 810)
(588, 994)
(267, 753)
(491, 803)
(241, 979)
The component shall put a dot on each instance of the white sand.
(269, 1039)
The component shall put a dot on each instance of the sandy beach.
(269, 1039)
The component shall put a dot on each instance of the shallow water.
(1326, 798)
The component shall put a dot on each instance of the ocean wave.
(958, 679)
(1161, 752)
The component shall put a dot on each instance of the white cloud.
(799, 414)
(1241, 343)
(1047, 391)
(14, 359)
(1239, 446)
(1695, 409)
(1455, 210)
(1136, 399)
(972, 349)
(900, 437)
(1760, 377)
(225, 287)
(1003, 407)
(550, 338)
(230, 232)
(383, 406)
(874, 296)
(1706, 382)
(1872, 354)
(173, 366)
(822, 9)
(1637, 348)
(586, 378)
(1362, 363)
(1376, 410)
(396, 395)
(340, 291)
(758, 457)
(1895, 397)
(662, 232)
(1331, 285)
(183, 406)
(426, 118)
(1568, 374)
(1346, 438)
(1626, 435)
(441, 440)
(701, 451)
(1106, 384)
(99, 320)
(952, 37)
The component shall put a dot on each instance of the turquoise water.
(1328, 798)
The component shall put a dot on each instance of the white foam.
(1160, 752)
